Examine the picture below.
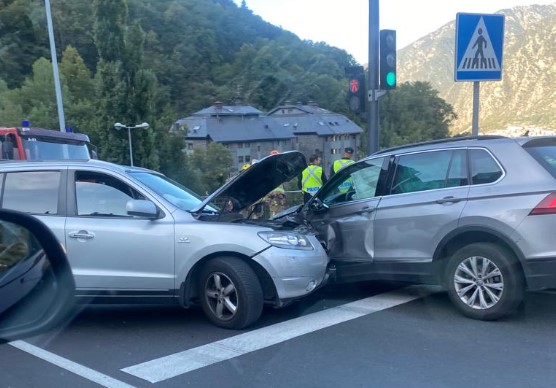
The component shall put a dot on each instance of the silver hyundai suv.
(133, 235)
(477, 215)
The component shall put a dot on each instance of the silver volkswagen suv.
(133, 235)
(477, 215)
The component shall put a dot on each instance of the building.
(250, 134)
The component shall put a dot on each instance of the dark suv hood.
(260, 179)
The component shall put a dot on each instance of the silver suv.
(477, 215)
(133, 235)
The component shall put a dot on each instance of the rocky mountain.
(526, 95)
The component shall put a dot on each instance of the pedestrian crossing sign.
(479, 47)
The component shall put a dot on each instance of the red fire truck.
(27, 143)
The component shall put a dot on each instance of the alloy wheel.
(478, 282)
(221, 296)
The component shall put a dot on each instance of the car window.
(102, 195)
(429, 170)
(355, 182)
(32, 192)
(484, 168)
(545, 154)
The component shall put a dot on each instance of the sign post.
(479, 53)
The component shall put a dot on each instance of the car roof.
(69, 163)
(443, 143)
(468, 141)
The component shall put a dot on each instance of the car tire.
(230, 293)
(484, 281)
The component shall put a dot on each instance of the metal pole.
(130, 146)
(55, 67)
(475, 127)
(372, 117)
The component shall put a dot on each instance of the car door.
(343, 211)
(109, 249)
(428, 192)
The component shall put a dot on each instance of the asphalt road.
(359, 335)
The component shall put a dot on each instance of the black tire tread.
(246, 281)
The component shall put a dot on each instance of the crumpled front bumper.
(295, 272)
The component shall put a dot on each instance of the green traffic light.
(391, 78)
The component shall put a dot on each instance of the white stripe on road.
(176, 364)
(80, 370)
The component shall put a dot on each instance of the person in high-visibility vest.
(312, 178)
(347, 159)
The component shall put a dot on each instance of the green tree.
(412, 113)
(11, 113)
(79, 101)
(214, 166)
(37, 96)
(126, 92)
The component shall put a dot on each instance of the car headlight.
(287, 240)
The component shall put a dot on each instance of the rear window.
(545, 155)
(32, 192)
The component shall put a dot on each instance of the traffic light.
(388, 76)
(357, 91)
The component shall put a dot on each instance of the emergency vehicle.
(27, 143)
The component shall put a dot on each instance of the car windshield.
(40, 149)
(170, 190)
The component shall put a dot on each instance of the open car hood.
(258, 180)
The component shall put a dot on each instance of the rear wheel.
(484, 281)
(230, 293)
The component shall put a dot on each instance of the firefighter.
(341, 163)
(312, 178)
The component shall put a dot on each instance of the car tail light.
(546, 206)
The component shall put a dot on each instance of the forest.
(134, 61)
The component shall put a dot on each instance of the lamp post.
(119, 126)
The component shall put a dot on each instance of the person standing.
(347, 159)
(312, 178)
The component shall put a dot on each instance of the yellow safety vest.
(341, 163)
(311, 179)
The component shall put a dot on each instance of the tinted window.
(102, 195)
(484, 169)
(32, 192)
(429, 171)
(357, 181)
(545, 155)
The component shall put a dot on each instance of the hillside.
(526, 95)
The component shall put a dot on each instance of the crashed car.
(473, 214)
(134, 236)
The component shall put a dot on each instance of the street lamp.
(119, 126)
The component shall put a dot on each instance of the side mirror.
(141, 208)
(317, 205)
(36, 284)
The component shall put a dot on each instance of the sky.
(345, 23)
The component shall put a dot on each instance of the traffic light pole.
(372, 112)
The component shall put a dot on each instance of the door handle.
(366, 209)
(449, 199)
(82, 234)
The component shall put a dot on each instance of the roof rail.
(439, 141)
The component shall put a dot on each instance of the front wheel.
(484, 281)
(230, 293)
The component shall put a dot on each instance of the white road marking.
(80, 370)
(176, 364)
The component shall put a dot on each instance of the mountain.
(526, 95)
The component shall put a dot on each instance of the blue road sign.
(479, 47)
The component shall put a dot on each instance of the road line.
(73, 367)
(176, 364)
